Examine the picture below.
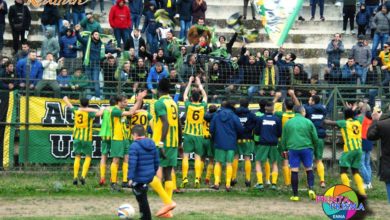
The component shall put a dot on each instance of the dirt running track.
(80, 206)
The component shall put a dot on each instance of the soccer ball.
(126, 211)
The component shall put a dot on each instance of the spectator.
(252, 6)
(216, 81)
(68, 50)
(8, 81)
(136, 8)
(313, 4)
(270, 78)
(120, 21)
(50, 44)
(144, 54)
(374, 77)
(228, 46)
(24, 52)
(93, 5)
(171, 47)
(190, 68)
(202, 47)
(185, 10)
(349, 10)
(78, 13)
(65, 25)
(49, 17)
(157, 72)
(126, 77)
(362, 56)
(251, 70)
(300, 77)
(334, 50)
(234, 77)
(170, 7)
(109, 67)
(140, 73)
(63, 16)
(351, 72)
(160, 57)
(20, 20)
(63, 79)
(135, 41)
(379, 130)
(92, 67)
(199, 8)
(381, 26)
(29, 70)
(90, 24)
(362, 19)
(78, 82)
(371, 6)
(150, 27)
(49, 77)
(3, 12)
(285, 66)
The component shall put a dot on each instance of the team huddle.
(287, 133)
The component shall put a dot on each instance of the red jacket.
(120, 16)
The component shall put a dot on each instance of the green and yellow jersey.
(285, 116)
(118, 125)
(83, 124)
(141, 118)
(194, 118)
(166, 106)
(105, 130)
(351, 131)
(206, 129)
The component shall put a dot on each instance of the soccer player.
(225, 127)
(269, 128)
(143, 163)
(141, 117)
(351, 131)
(119, 141)
(105, 134)
(299, 137)
(166, 137)
(82, 136)
(208, 146)
(193, 130)
(245, 144)
(285, 116)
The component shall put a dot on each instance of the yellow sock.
(274, 177)
(267, 170)
(345, 179)
(102, 171)
(209, 171)
(248, 169)
(201, 168)
(158, 188)
(86, 164)
(173, 175)
(217, 174)
(125, 168)
(235, 168)
(76, 167)
(198, 167)
(259, 177)
(321, 171)
(229, 172)
(169, 188)
(184, 167)
(114, 172)
(359, 182)
(287, 175)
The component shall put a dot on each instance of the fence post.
(27, 119)
(334, 134)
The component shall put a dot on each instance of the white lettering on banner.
(268, 122)
(317, 117)
(61, 146)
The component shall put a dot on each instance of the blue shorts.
(296, 156)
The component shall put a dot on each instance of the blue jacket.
(224, 128)
(150, 24)
(363, 18)
(65, 42)
(334, 53)
(136, 7)
(269, 128)
(154, 77)
(63, 80)
(248, 121)
(284, 71)
(317, 113)
(347, 76)
(143, 161)
(35, 73)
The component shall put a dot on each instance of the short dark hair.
(262, 104)
(120, 98)
(63, 68)
(244, 102)
(164, 86)
(6, 64)
(112, 101)
(32, 51)
(349, 113)
(84, 102)
(138, 130)
(195, 96)
(316, 99)
(289, 104)
(213, 108)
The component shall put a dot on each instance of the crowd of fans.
(78, 56)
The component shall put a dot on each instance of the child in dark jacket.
(362, 19)
(143, 165)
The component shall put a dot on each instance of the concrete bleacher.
(307, 39)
